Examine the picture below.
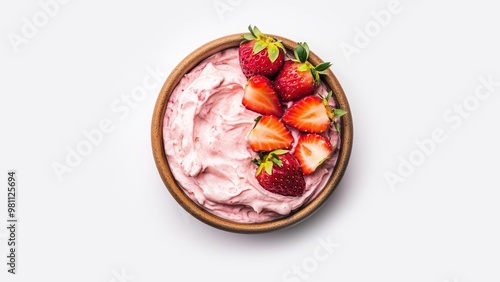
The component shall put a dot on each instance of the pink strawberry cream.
(205, 129)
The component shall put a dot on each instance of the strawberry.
(269, 134)
(279, 172)
(311, 151)
(312, 114)
(260, 54)
(260, 96)
(307, 115)
(298, 77)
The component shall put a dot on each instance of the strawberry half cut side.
(269, 134)
(260, 97)
(312, 114)
(311, 151)
(308, 115)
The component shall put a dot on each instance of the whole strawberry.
(279, 172)
(298, 77)
(260, 54)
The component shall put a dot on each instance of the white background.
(112, 219)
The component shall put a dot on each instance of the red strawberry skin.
(286, 180)
(261, 97)
(308, 115)
(269, 134)
(292, 84)
(258, 63)
(311, 151)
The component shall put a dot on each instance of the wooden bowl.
(198, 212)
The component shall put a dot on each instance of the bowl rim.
(186, 65)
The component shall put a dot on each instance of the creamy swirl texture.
(204, 130)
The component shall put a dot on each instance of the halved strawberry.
(279, 172)
(307, 115)
(260, 54)
(312, 114)
(269, 134)
(298, 77)
(260, 96)
(311, 151)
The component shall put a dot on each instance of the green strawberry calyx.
(266, 161)
(332, 113)
(301, 52)
(263, 41)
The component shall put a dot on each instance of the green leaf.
(262, 156)
(259, 170)
(251, 30)
(277, 161)
(272, 52)
(259, 46)
(315, 74)
(303, 67)
(301, 53)
(248, 37)
(336, 125)
(256, 31)
(280, 152)
(268, 166)
(323, 66)
(330, 94)
(307, 48)
(280, 45)
(260, 163)
(339, 112)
